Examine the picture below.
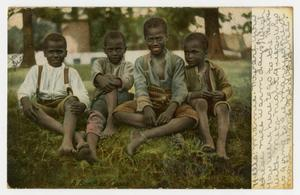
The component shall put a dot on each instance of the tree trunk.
(28, 47)
(211, 17)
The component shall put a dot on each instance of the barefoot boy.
(113, 77)
(159, 89)
(208, 91)
(53, 90)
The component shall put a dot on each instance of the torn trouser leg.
(95, 123)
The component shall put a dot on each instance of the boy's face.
(156, 40)
(115, 49)
(194, 53)
(55, 53)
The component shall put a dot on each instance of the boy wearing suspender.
(53, 90)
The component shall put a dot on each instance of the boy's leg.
(69, 125)
(201, 107)
(46, 121)
(111, 101)
(222, 112)
(174, 126)
(92, 140)
(95, 124)
(134, 119)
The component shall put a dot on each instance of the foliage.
(15, 40)
(33, 161)
(247, 26)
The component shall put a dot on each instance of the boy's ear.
(105, 51)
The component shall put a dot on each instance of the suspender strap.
(66, 81)
(40, 69)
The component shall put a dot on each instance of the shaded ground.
(33, 161)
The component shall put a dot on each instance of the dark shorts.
(183, 110)
(98, 115)
(99, 103)
(53, 108)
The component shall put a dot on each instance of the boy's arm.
(179, 93)
(101, 80)
(28, 87)
(127, 77)
(28, 108)
(179, 89)
(223, 83)
(97, 69)
(78, 87)
(140, 85)
(199, 94)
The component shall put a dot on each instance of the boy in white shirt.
(53, 90)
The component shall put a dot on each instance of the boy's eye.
(194, 52)
(157, 39)
(110, 50)
(56, 51)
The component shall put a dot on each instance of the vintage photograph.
(129, 97)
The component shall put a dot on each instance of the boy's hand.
(167, 115)
(29, 109)
(108, 82)
(218, 95)
(77, 107)
(149, 116)
(207, 94)
(201, 94)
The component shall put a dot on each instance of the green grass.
(34, 163)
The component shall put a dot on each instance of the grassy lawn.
(33, 161)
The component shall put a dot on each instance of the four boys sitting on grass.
(169, 96)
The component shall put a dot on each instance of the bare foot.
(136, 139)
(83, 151)
(221, 151)
(109, 130)
(92, 157)
(66, 149)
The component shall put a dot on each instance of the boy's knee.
(200, 104)
(116, 115)
(69, 102)
(222, 109)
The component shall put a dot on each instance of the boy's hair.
(200, 37)
(113, 35)
(57, 37)
(155, 22)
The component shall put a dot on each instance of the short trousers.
(183, 110)
(53, 107)
(211, 110)
(98, 115)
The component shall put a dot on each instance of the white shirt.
(52, 84)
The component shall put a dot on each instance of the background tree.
(28, 49)
(211, 18)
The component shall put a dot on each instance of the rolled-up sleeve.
(179, 89)
(127, 76)
(78, 87)
(223, 83)
(97, 68)
(140, 85)
(28, 87)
